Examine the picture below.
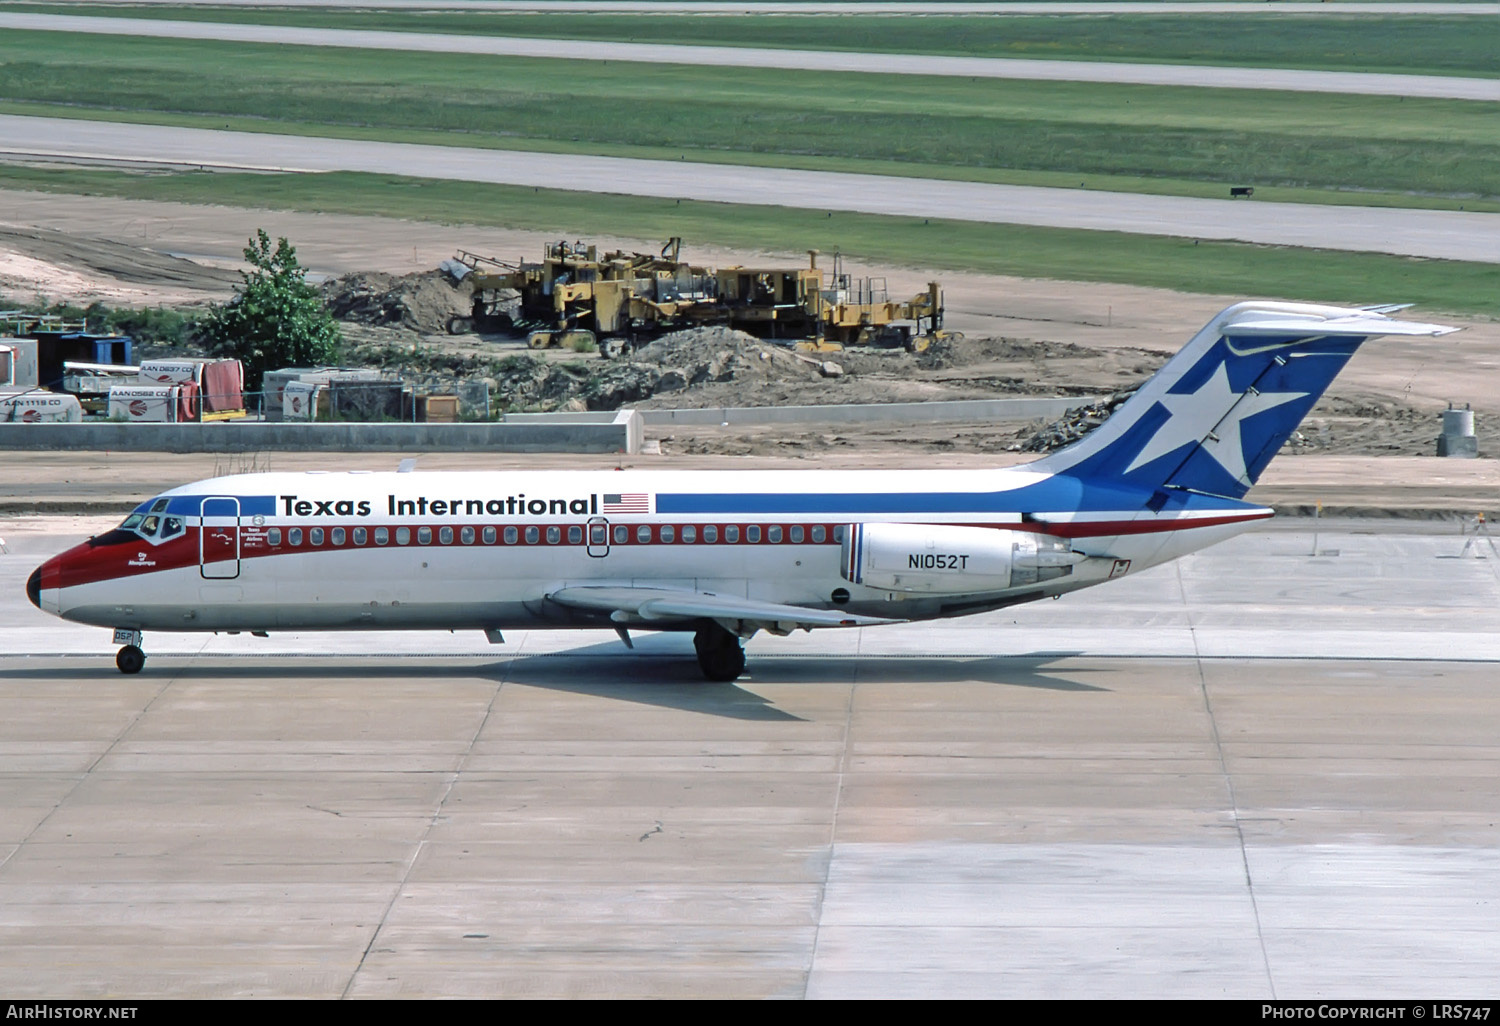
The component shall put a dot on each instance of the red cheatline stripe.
(108, 563)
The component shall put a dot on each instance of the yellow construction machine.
(574, 297)
(826, 315)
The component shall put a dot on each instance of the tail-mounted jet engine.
(937, 560)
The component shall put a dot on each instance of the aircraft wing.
(663, 606)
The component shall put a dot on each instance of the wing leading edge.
(659, 607)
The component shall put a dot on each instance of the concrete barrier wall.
(622, 433)
(964, 411)
(523, 432)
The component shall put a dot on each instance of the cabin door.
(219, 539)
(598, 537)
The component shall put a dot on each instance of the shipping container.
(158, 404)
(32, 406)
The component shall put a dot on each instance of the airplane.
(723, 554)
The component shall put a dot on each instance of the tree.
(276, 320)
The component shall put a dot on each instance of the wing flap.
(669, 605)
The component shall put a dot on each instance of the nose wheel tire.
(720, 655)
(130, 659)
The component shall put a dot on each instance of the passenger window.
(315, 536)
(403, 536)
(294, 536)
(818, 534)
(622, 534)
(338, 535)
(752, 534)
(382, 536)
(554, 535)
(710, 534)
(773, 534)
(489, 535)
(274, 536)
(445, 535)
(466, 536)
(424, 536)
(510, 535)
(643, 534)
(575, 534)
(796, 534)
(838, 533)
(668, 533)
(732, 533)
(531, 535)
(360, 535)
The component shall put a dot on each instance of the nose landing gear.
(131, 658)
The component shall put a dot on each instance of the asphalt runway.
(1437, 234)
(1367, 83)
(1267, 771)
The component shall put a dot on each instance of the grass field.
(1178, 139)
(1180, 264)
(1436, 45)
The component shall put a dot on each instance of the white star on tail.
(1214, 409)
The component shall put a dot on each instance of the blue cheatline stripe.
(191, 505)
(871, 502)
(1060, 493)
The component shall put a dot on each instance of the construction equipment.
(574, 297)
(573, 293)
(841, 311)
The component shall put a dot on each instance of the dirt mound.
(669, 366)
(421, 302)
(723, 354)
(1074, 424)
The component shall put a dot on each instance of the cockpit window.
(126, 532)
(150, 524)
(171, 527)
(159, 506)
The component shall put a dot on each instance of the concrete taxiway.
(1268, 770)
(1439, 234)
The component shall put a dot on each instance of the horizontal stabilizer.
(1364, 324)
(665, 606)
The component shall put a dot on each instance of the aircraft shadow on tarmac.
(661, 679)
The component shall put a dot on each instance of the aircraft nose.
(34, 587)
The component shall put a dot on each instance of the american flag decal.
(629, 502)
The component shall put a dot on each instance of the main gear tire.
(721, 657)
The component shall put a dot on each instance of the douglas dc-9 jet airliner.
(723, 554)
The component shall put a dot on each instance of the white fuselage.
(485, 550)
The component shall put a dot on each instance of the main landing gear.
(720, 655)
(131, 658)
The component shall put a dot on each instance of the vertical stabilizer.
(1212, 418)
